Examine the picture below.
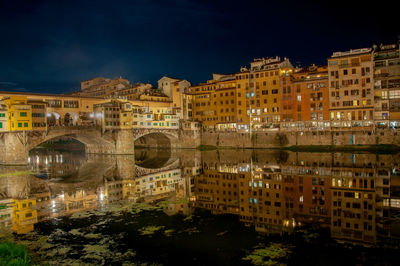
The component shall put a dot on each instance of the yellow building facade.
(18, 113)
(259, 92)
(24, 215)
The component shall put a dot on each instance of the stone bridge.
(15, 146)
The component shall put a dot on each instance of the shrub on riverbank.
(13, 254)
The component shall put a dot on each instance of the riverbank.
(306, 140)
(380, 148)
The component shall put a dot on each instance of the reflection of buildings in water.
(24, 215)
(18, 215)
(54, 199)
(55, 163)
(347, 192)
(169, 184)
(217, 191)
(79, 200)
(158, 183)
(6, 214)
(353, 204)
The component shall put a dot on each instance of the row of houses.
(356, 88)
(22, 113)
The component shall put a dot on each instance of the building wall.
(19, 113)
(387, 82)
(351, 85)
(299, 138)
(305, 95)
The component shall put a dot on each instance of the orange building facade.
(305, 95)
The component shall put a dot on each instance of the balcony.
(382, 75)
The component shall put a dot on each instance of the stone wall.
(276, 139)
(189, 138)
(13, 148)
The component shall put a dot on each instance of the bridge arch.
(155, 138)
(70, 119)
(53, 119)
(90, 138)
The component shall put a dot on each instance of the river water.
(220, 207)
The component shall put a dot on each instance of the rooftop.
(352, 52)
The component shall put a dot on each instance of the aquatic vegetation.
(96, 249)
(189, 218)
(16, 173)
(75, 232)
(222, 233)
(42, 239)
(13, 254)
(80, 215)
(192, 230)
(63, 251)
(164, 203)
(91, 235)
(308, 235)
(150, 230)
(274, 254)
(93, 257)
(168, 232)
(129, 254)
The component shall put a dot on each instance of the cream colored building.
(175, 90)
(351, 87)
(387, 85)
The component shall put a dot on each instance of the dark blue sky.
(50, 46)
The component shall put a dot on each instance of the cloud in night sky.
(51, 46)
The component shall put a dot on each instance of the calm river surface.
(221, 207)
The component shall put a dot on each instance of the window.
(1, 124)
(26, 124)
(19, 124)
(22, 114)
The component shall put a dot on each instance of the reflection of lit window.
(255, 201)
(255, 184)
(395, 203)
(385, 202)
(301, 199)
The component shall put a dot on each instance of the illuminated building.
(305, 95)
(351, 87)
(387, 85)
(18, 113)
(258, 92)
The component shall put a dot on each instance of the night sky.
(50, 46)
